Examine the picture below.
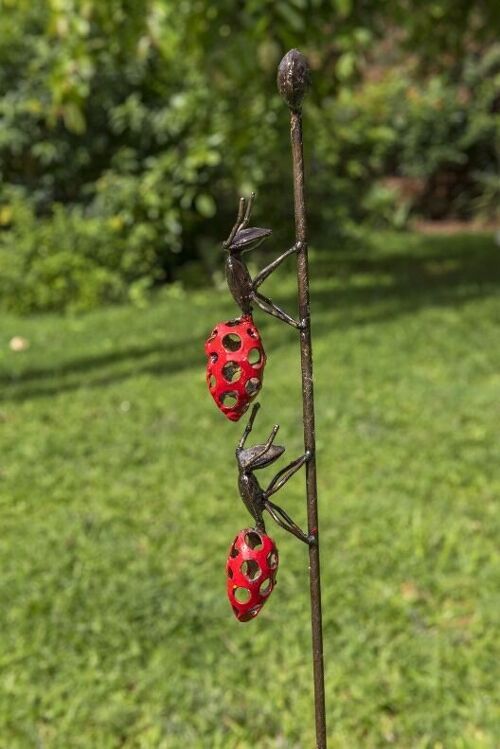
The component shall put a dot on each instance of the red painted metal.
(251, 570)
(235, 365)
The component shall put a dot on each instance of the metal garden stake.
(235, 367)
(293, 80)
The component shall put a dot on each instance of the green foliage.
(454, 125)
(117, 512)
(441, 130)
(69, 261)
(153, 116)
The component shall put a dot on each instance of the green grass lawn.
(118, 505)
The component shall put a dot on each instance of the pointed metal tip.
(293, 78)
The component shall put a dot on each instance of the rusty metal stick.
(293, 80)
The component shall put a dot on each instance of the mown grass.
(118, 504)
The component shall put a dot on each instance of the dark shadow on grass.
(446, 271)
(356, 288)
(87, 372)
(181, 355)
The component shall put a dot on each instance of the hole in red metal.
(251, 332)
(252, 385)
(229, 399)
(265, 587)
(214, 357)
(250, 569)
(211, 381)
(242, 595)
(232, 323)
(253, 540)
(231, 342)
(254, 356)
(245, 617)
(272, 560)
(231, 371)
(234, 552)
(250, 614)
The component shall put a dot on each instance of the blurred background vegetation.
(127, 130)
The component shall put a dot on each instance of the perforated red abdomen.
(235, 365)
(251, 570)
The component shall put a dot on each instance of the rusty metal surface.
(293, 78)
(293, 81)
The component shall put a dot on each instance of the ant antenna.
(267, 446)
(244, 211)
(248, 211)
(239, 220)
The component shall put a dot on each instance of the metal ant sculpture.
(255, 498)
(252, 563)
(235, 354)
(235, 366)
(241, 285)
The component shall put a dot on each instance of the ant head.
(257, 456)
(249, 239)
(241, 238)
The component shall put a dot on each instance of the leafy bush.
(69, 260)
(441, 130)
(127, 130)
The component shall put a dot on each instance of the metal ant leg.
(285, 474)
(266, 272)
(272, 309)
(285, 521)
(280, 516)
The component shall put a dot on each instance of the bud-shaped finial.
(293, 78)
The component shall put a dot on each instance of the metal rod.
(293, 79)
